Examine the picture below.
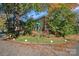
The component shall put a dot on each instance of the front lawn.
(39, 40)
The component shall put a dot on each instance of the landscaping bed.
(20, 47)
(38, 40)
(14, 48)
(47, 40)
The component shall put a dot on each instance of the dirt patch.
(13, 48)
(74, 37)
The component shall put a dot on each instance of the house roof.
(76, 10)
(34, 15)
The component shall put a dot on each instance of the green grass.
(38, 40)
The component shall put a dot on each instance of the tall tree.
(21, 8)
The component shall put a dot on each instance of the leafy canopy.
(63, 21)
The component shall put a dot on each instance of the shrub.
(2, 24)
(29, 26)
(62, 21)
